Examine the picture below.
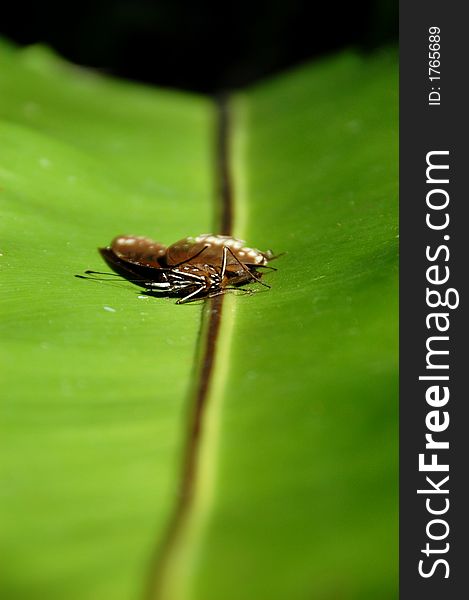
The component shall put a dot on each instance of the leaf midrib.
(204, 364)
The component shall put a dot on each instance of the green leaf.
(297, 495)
(295, 491)
(96, 378)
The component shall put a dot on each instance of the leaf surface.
(95, 378)
(296, 484)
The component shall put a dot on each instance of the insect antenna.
(121, 280)
(90, 272)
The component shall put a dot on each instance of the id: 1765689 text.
(434, 73)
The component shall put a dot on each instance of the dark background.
(200, 46)
(424, 128)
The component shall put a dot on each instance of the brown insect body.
(195, 268)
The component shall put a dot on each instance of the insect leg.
(239, 289)
(223, 262)
(158, 286)
(266, 267)
(246, 269)
(188, 297)
(230, 289)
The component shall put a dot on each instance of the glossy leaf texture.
(95, 379)
(296, 489)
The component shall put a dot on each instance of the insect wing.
(140, 275)
(208, 249)
(193, 251)
(139, 250)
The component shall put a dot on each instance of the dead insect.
(194, 268)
